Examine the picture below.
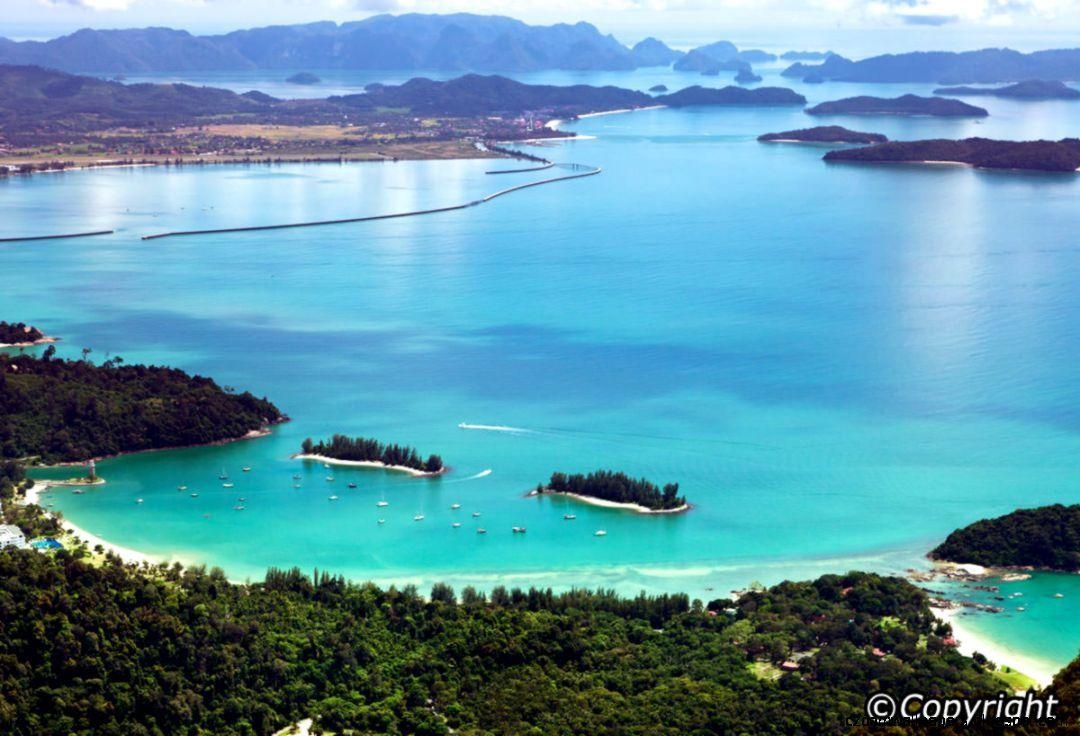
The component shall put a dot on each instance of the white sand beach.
(635, 507)
(969, 642)
(371, 464)
(33, 496)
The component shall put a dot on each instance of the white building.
(12, 536)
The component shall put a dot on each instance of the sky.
(858, 27)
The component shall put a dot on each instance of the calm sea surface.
(838, 364)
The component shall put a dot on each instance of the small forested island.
(363, 451)
(823, 134)
(658, 88)
(608, 488)
(747, 76)
(73, 410)
(1046, 537)
(983, 153)
(17, 335)
(1033, 89)
(731, 95)
(904, 105)
(303, 78)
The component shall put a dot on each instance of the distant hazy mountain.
(653, 52)
(806, 55)
(903, 105)
(1033, 89)
(735, 96)
(987, 66)
(387, 42)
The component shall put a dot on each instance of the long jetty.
(29, 238)
(580, 171)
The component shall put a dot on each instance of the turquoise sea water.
(838, 364)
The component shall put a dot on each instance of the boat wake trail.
(494, 428)
(481, 474)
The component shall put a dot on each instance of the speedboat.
(333, 498)
(78, 491)
(518, 530)
(476, 514)
(238, 507)
(569, 517)
(224, 475)
(382, 521)
(455, 506)
(181, 488)
(329, 479)
(296, 477)
(194, 495)
(138, 500)
(481, 530)
(228, 485)
(418, 517)
(456, 525)
(241, 499)
(352, 485)
(600, 533)
(383, 504)
(296, 485)
(246, 468)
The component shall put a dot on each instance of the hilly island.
(50, 119)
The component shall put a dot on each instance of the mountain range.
(986, 66)
(414, 41)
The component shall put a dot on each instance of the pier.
(29, 238)
(579, 171)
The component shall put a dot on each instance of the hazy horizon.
(853, 28)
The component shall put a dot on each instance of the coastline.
(47, 340)
(969, 642)
(32, 496)
(253, 434)
(635, 507)
(372, 464)
(554, 123)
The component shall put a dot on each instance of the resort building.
(12, 536)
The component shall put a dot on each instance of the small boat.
(241, 499)
(296, 485)
(518, 530)
(569, 517)
(296, 477)
(600, 533)
(418, 517)
(194, 495)
(329, 479)
(78, 491)
(476, 514)
(333, 498)
(455, 506)
(382, 521)
(138, 500)
(223, 475)
(1058, 595)
(246, 468)
(326, 465)
(1021, 609)
(456, 525)
(238, 507)
(181, 488)
(206, 516)
(383, 504)
(228, 485)
(352, 485)
(481, 530)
